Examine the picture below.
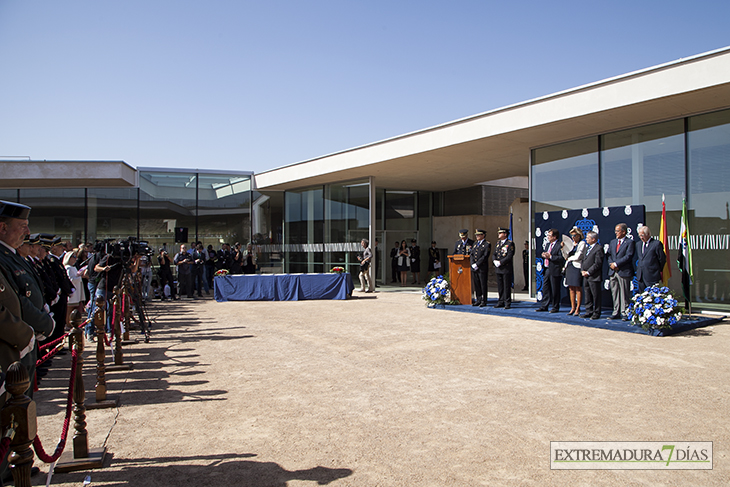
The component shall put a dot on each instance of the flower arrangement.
(221, 273)
(436, 292)
(338, 270)
(654, 309)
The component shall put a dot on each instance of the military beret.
(479, 231)
(14, 210)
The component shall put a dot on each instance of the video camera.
(124, 250)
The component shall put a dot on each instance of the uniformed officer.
(504, 252)
(479, 259)
(65, 288)
(464, 244)
(34, 312)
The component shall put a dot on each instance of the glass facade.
(689, 156)
(212, 207)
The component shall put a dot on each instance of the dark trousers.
(551, 292)
(394, 269)
(592, 291)
(504, 286)
(166, 278)
(479, 282)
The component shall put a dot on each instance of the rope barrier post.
(102, 402)
(81, 458)
(127, 313)
(81, 443)
(116, 303)
(20, 409)
(116, 329)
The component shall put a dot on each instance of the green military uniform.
(29, 291)
(16, 337)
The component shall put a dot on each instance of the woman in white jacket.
(77, 298)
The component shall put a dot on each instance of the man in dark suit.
(464, 244)
(650, 259)
(479, 259)
(620, 271)
(592, 271)
(504, 252)
(552, 272)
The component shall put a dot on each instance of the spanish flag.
(664, 239)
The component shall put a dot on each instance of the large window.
(45, 216)
(565, 176)
(709, 197)
(641, 164)
(167, 201)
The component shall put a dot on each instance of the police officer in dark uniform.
(13, 229)
(479, 259)
(504, 252)
(464, 244)
(65, 288)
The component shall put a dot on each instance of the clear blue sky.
(254, 85)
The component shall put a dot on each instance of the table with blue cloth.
(283, 287)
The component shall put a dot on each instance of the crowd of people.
(582, 265)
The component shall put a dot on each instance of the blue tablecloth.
(282, 287)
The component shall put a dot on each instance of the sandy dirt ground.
(379, 390)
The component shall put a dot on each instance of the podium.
(460, 274)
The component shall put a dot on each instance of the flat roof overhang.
(496, 144)
(67, 174)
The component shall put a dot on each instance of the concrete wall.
(446, 233)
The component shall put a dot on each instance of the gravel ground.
(381, 391)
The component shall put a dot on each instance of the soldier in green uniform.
(34, 312)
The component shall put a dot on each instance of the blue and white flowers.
(655, 308)
(436, 291)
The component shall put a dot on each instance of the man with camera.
(184, 262)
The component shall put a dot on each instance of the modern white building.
(626, 140)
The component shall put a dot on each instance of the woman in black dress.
(237, 264)
(404, 260)
(572, 271)
(249, 260)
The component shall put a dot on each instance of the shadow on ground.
(223, 469)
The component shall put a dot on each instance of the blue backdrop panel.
(600, 220)
(283, 287)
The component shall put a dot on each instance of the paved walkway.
(381, 391)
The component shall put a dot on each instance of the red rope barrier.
(53, 343)
(4, 447)
(37, 446)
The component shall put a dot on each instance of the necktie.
(618, 245)
(550, 249)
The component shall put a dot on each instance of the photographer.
(165, 274)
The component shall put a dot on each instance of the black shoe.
(585, 315)
(555, 311)
(614, 317)
(508, 307)
(596, 317)
(625, 318)
(499, 305)
(482, 305)
(541, 310)
(475, 304)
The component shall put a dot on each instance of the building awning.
(496, 144)
(66, 174)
